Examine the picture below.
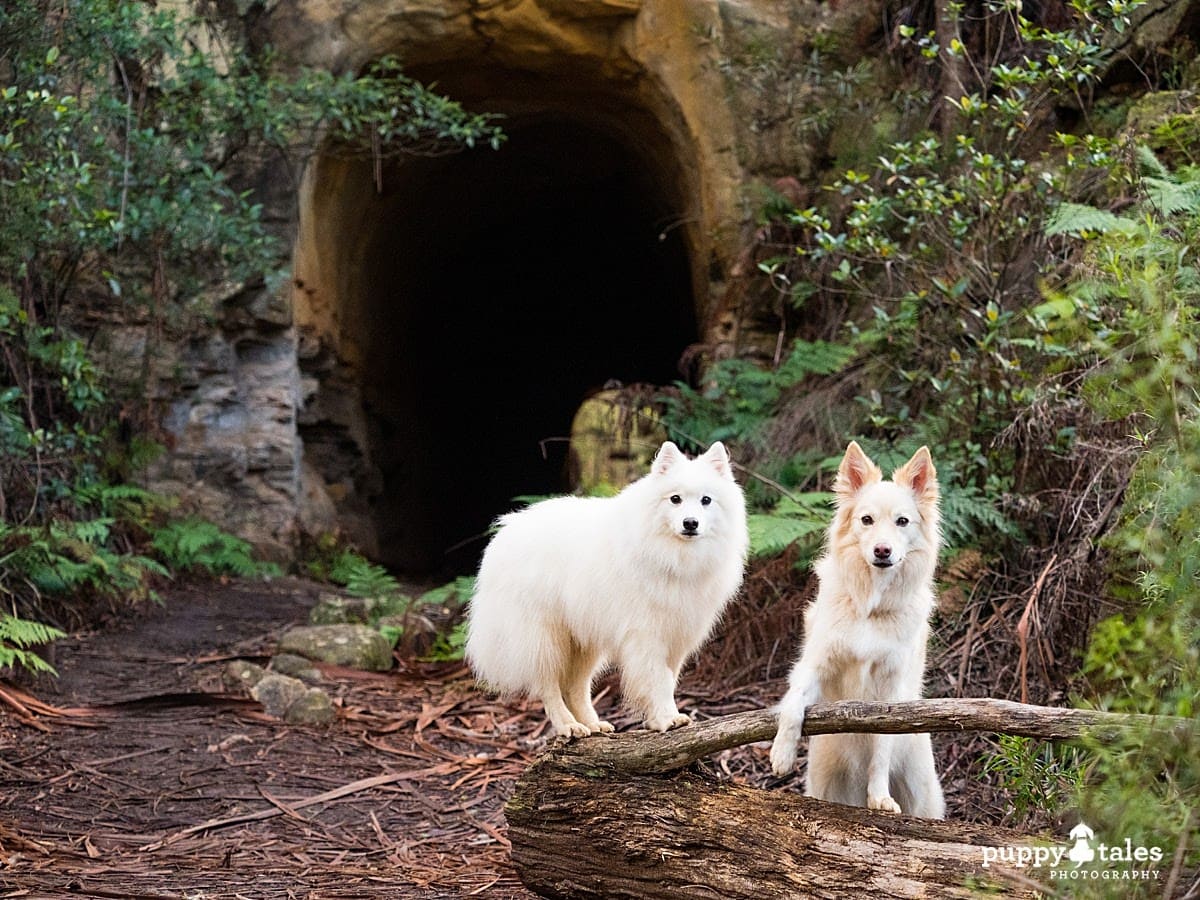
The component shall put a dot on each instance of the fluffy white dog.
(571, 585)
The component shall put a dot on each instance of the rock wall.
(287, 415)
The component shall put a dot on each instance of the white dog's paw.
(666, 723)
(572, 730)
(885, 803)
(603, 727)
(783, 756)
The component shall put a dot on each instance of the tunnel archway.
(481, 296)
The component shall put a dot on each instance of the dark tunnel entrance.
(496, 290)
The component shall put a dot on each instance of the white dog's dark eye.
(704, 501)
(867, 520)
(676, 499)
(902, 521)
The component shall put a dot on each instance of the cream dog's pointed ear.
(718, 457)
(855, 472)
(667, 456)
(919, 475)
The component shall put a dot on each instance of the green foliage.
(17, 636)
(1137, 306)
(119, 127)
(1041, 777)
(196, 546)
(796, 518)
(387, 600)
(361, 577)
(738, 395)
(450, 645)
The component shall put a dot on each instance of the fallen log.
(604, 816)
(592, 834)
(651, 753)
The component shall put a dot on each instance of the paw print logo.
(1082, 851)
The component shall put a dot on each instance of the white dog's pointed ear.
(855, 471)
(919, 475)
(718, 457)
(668, 454)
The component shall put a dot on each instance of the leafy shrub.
(1041, 777)
(1136, 304)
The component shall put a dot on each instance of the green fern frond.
(967, 513)
(458, 590)
(196, 545)
(814, 358)
(1077, 218)
(1170, 196)
(17, 636)
(362, 578)
(771, 534)
(1149, 164)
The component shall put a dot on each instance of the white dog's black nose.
(883, 555)
(691, 526)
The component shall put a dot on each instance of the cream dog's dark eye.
(676, 499)
(868, 520)
(704, 501)
(902, 521)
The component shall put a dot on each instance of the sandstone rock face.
(281, 416)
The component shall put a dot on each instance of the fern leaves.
(17, 636)
(1078, 218)
(194, 545)
(797, 518)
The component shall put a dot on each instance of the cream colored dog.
(865, 637)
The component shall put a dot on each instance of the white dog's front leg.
(649, 683)
(879, 795)
(803, 690)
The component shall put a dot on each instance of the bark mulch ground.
(135, 775)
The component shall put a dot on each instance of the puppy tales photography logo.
(1083, 858)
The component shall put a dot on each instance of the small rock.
(277, 693)
(313, 708)
(355, 646)
(240, 675)
(295, 666)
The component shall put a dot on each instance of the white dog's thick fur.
(570, 585)
(865, 637)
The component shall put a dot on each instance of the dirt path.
(414, 772)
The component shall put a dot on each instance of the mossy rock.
(242, 675)
(353, 646)
(295, 666)
(312, 708)
(332, 609)
(277, 693)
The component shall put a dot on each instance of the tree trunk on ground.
(583, 833)
(597, 818)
